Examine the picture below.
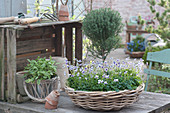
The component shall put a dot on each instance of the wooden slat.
(39, 31)
(69, 43)
(78, 43)
(22, 61)
(158, 73)
(34, 25)
(2, 67)
(34, 45)
(58, 41)
(11, 65)
(160, 56)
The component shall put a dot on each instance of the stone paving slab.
(147, 102)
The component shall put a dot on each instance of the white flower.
(99, 81)
(97, 76)
(116, 80)
(105, 82)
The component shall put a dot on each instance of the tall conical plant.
(102, 27)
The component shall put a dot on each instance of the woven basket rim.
(141, 86)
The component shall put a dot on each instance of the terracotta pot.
(49, 106)
(52, 100)
(136, 54)
(63, 13)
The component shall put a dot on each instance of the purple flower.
(79, 77)
(106, 69)
(72, 75)
(78, 74)
(125, 72)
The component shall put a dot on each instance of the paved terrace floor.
(148, 102)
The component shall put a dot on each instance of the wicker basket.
(104, 101)
(38, 92)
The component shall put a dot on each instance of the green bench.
(160, 57)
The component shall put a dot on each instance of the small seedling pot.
(52, 100)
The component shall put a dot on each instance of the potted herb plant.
(136, 48)
(140, 22)
(102, 27)
(40, 78)
(104, 86)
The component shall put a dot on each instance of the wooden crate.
(21, 42)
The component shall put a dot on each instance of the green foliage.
(99, 76)
(163, 29)
(140, 21)
(136, 44)
(157, 83)
(102, 27)
(40, 69)
(153, 49)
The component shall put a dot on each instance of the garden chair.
(160, 57)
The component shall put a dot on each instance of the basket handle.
(30, 96)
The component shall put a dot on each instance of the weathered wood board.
(22, 42)
(2, 67)
(11, 65)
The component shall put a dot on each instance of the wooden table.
(128, 32)
(21, 42)
(148, 103)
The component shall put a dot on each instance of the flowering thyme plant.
(114, 75)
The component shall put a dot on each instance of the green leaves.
(40, 69)
(115, 82)
(163, 18)
(102, 27)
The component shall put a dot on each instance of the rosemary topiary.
(102, 27)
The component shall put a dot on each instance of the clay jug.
(63, 13)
